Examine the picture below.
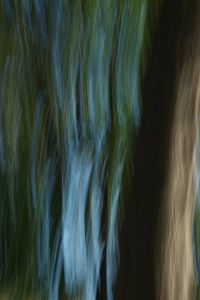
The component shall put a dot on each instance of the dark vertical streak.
(136, 279)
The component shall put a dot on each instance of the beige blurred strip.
(175, 270)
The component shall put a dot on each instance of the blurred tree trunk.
(156, 236)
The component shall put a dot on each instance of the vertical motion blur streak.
(69, 100)
(99, 125)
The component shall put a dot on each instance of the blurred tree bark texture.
(157, 231)
(72, 145)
